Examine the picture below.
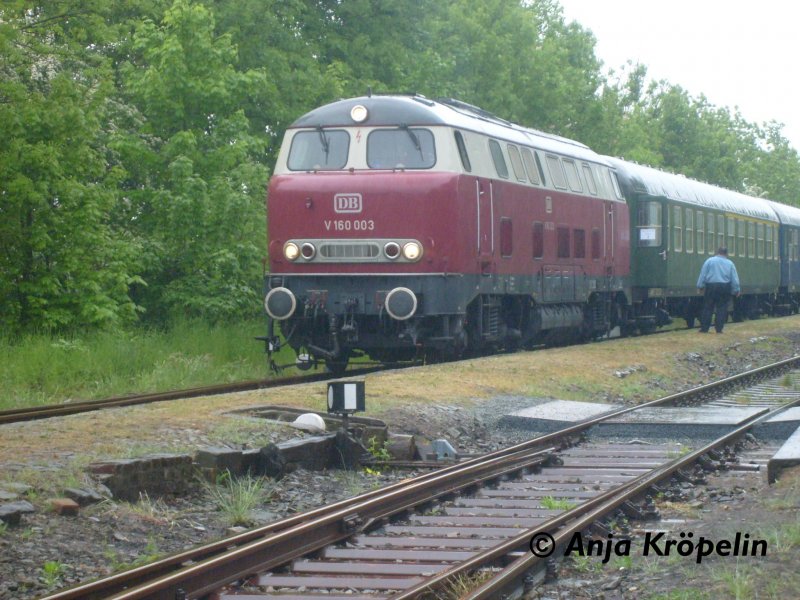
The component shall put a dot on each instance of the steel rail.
(591, 512)
(165, 567)
(16, 415)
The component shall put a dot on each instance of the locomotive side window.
(579, 243)
(530, 166)
(538, 239)
(720, 231)
(689, 223)
(562, 241)
(462, 152)
(615, 185)
(751, 238)
(573, 178)
(402, 148)
(595, 244)
(499, 162)
(556, 172)
(590, 182)
(319, 150)
(516, 162)
(701, 236)
(506, 237)
(649, 224)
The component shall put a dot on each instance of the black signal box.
(346, 397)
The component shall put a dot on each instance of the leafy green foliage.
(136, 136)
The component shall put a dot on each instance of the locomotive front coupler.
(336, 350)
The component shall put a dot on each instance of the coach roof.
(418, 111)
(653, 182)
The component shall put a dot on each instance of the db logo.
(347, 203)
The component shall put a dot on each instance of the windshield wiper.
(325, 143)
(414, 139)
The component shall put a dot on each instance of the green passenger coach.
(677, 223)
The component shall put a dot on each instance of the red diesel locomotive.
(399, 226)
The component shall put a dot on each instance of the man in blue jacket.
(719, 280)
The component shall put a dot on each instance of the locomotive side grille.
(350, 250)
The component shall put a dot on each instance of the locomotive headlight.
(391, 250)
(291, 251)
(308, 251)
(359, 113)
(412, 251)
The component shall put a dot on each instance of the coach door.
(484, 191)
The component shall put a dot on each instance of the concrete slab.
(704, 421)
(555, 414)
(691, 422)
(780, 426)
(787, 456)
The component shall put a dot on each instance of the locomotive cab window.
(506, 237)
(499, 161)
(562, 242)
(579, 243)
(319, 150)
(649, 224)
(403, 148)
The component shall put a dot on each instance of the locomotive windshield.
(403, 148)
(319, 150)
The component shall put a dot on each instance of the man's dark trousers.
(716, 299)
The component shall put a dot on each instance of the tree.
(195, 191)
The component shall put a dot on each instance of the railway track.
(420, 534)
(71, 408)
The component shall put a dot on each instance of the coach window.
(760, 240)
(595, 244)
(677, 229)
(768, 247)
(556, 172)
(530, 166)
(720, 232)
(710, 233)
(689, 218)
(462, 152)
(573, 178)
(320, 150)
(562, 240)
(751, 239)
(731, 236)
(579, 243)
(590, 182)
(516, 162)
(499, 162)
(538, 239)
(700, 219)
(403, 148)
(649, 224)
(744, 247)
(506, 237)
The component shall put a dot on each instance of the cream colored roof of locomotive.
(677, 187)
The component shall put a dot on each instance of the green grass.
(40, 369)
(237, 497)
